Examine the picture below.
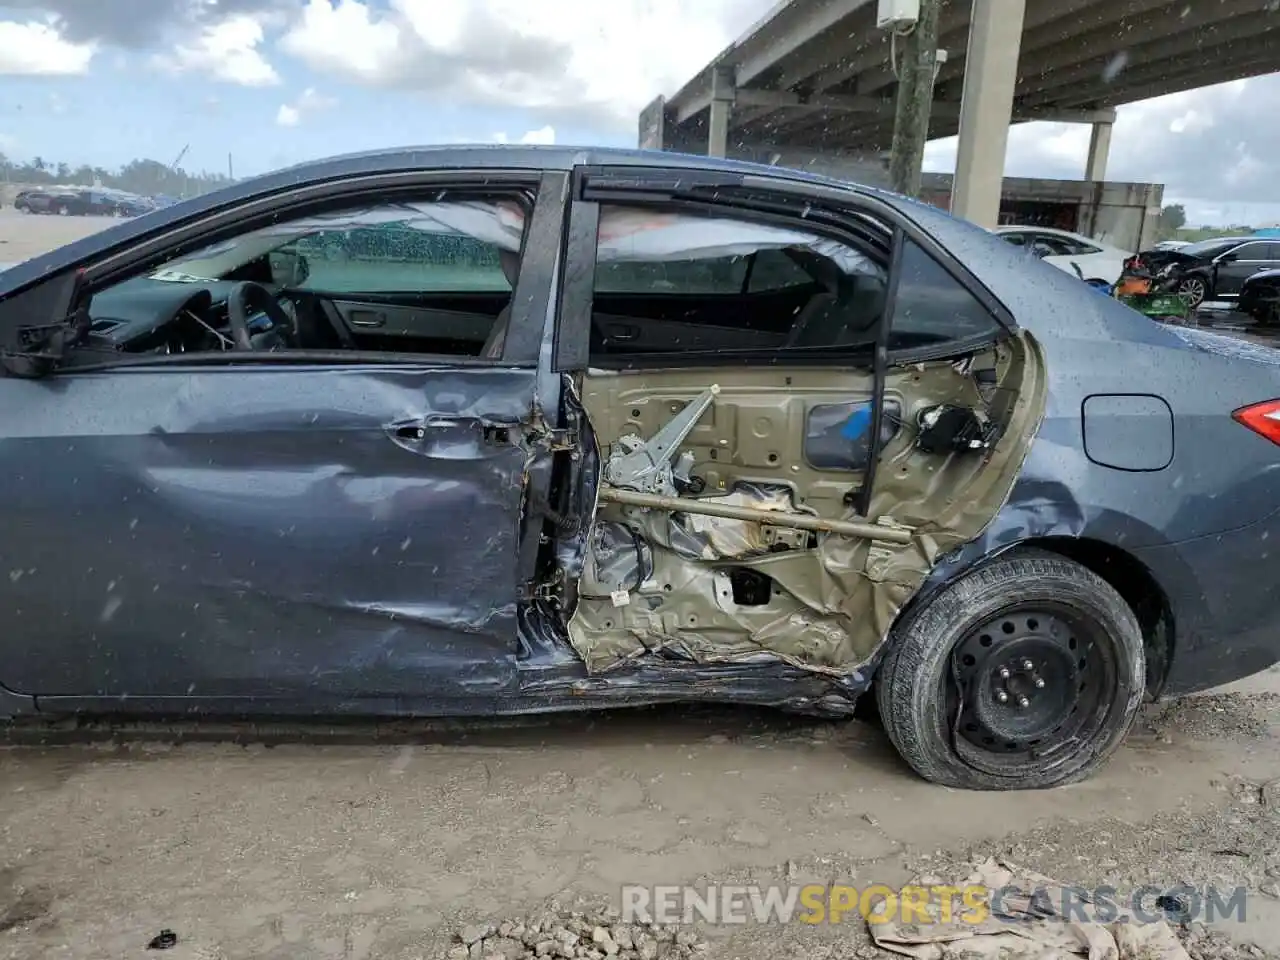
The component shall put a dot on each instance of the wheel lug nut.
(1002, 696)
(1024, 702)
(1027, 665)
(1039, 683)
(1004, 673)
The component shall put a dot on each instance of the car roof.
(1228, 240)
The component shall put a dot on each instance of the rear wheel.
(1025, 673)
(63, 210)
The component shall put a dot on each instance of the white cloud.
(38, 49)
(568, 60)
(543, 135)
(226, 50)
(345, 38)
(309, 101)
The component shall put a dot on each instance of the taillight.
(1262, 419)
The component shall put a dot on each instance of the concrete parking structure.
(814, 79)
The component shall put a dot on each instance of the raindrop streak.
(1114, 66)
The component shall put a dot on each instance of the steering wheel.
(248, 294)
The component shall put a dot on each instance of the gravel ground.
(424, 848)
(390, 850)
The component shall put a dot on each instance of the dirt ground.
(23, 236)
(383, 850)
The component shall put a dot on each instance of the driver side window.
(408, 277)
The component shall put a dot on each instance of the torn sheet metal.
(832, 598)
(1027, 916)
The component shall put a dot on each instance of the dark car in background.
(70, 201)
(509, 430)
(1260, 297)
(1211, 269)
(51, 200)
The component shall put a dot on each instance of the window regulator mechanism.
(947, 428)
(646, 465)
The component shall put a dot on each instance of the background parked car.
(1097, 261)
(71, 201)
(1214, 269)
(50, 200)
(1260, 297)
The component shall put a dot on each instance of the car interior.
(438, 279)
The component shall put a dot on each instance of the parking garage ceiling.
(818, 73)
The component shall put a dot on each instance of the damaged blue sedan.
(477, 431)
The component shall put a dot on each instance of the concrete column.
(722, 95)
(1099, 149)
(986, 108)
(653, 125)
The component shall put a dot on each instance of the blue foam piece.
(857, 423)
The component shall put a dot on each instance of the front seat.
(492, 350)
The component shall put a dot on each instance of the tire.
(1193, 291)
(63, 210)
(1030, 601)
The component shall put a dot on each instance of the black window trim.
(53, 297)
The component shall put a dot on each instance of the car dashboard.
(146, 315)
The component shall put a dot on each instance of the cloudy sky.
(273, 82)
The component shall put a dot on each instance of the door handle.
(410, 431)
(624, 333)
(415, 431)
(367, 318)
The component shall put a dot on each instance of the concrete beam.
(872, 67)
(1144, 37)
(1099, 150)
(1049, 35)
(1208, 77)
(786, 100)
(1107, 59)
(859, 126)
(789, 39)
(653, 123)
(722, 92)
(986, 109)
(843, 57)
(1176, 73)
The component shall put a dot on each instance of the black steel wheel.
(1026, 672)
